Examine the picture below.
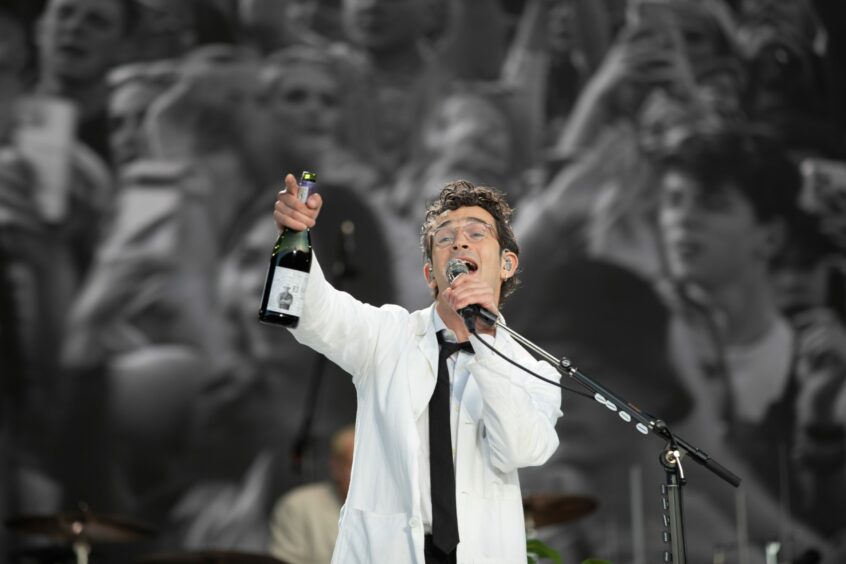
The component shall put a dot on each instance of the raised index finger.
(291, 186)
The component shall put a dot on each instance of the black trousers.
(434, 555)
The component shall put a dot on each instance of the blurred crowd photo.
(677, 170)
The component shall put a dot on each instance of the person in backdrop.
(788, 89)
(52, 205)
(727, 196)
(163, 270)
(613, 325)
(434, 481)
(665, 49)
(271, 25)
(311, 98)
(306, 97)
(809, 272)
(168, 30)
(808, 279)
(471, 133)
(201, 143)
(78, 42)
(132, 89)
(297, 399)
(189, 297)
(671, 67)
(304, 522)
(28, 320)
(405, 71)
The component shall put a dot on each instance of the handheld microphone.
(455, 268)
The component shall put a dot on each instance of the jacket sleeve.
(519, 411)
(352, 334)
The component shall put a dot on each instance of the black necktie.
(444, 518)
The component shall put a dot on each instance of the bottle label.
(287, 291)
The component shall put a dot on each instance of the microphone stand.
(670, 458)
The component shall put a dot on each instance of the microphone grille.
(455, 267)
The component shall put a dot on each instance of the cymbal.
(72, 526)
(209, 557)
(554, 509)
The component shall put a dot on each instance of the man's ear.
(428, 276)
(508, 264)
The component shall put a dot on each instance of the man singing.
(443, 423)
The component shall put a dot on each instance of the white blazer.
(507, 421)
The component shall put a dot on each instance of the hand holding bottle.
(290, 262)
(289, 212)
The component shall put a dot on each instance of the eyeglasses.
(474, 231)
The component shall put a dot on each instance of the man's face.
(79, 40)
(472, 231)
(383, 24)
(711, 235)
(305, 105)
(127, 108)
(470, 134)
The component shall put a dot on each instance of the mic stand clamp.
(671, 503)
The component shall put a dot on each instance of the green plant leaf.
(539, 550)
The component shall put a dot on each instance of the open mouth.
(471, 266)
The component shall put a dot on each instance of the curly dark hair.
(462, 194)
(752, 159)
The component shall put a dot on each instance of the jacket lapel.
(422, 382)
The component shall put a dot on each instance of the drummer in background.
(304, 522)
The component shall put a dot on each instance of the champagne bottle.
(290, 263)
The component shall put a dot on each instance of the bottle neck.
(305, 189)
(288, 232)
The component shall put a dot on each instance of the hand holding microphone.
(454, 269)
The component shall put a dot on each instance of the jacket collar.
(428, 341)
(422, 384)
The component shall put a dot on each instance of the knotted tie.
(444, 518)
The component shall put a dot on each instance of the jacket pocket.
(367, 537)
